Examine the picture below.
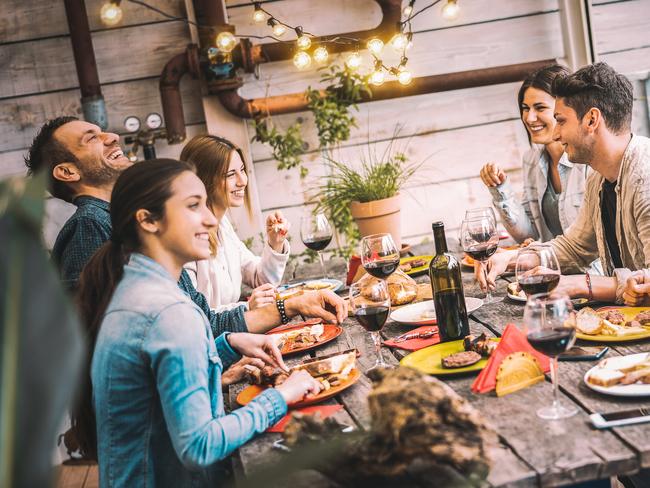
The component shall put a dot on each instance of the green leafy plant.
(288, 147)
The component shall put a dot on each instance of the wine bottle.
(447, 287)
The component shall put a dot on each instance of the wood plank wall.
(455, 132)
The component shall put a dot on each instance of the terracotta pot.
(379, 216)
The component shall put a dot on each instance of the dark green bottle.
(447, 287)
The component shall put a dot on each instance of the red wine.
(542, 283)
(318, 243)
(382, 269)
(552, 342)
(372, 318)
(480, 252)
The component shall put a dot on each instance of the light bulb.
(450, 10)
(377, 77)
(354, 61)
(259, 16)
(111, 13)
(303, 42)
(226, 41)
(404, 76)
(301, 60)
(375, 45)
(320, 54)
(399, 42)
(279, 30)
(408, 10)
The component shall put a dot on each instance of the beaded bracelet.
(591, 291)
(283, 313)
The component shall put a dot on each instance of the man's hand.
(323, 304)
(237, 372)
(496, 265)
(259, 346)
(637, 289)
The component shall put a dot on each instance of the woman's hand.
(637, 289)
(277, 228)
(323, 304)
(492, 175)
(496, 266)
(237, 371)
(259, 346)
(298, 385)
(262, 296)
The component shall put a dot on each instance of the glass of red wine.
(479, 212)
(370, 303)
(379, 255)
(550, 327)
(537, 269)
(316, 234)
(479, 239)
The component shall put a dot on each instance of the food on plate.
(625, 364)
(468, 260)
(642, 375)
(461, 359)
(268, 375)
(621, 370)
(317, 285)
(590, 322)
(605, 377)
(299, 338)
(642, 318)
(479, 344)
(614, 316)
(401, 288)
(412, 264)
(515, 290)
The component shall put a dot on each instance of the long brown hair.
(146, 185)
(211, 157)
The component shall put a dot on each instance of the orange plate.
(330, 333)
(247, 394)
(467, 261)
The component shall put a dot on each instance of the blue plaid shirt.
(89, 228)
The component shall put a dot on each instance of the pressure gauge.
(153, 120)
(132, 123)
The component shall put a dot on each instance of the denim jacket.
(156, 375)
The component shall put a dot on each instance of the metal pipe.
(297, 102)
(170, 94)
(92, 101)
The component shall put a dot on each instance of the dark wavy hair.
(146, 185)
(598, 86)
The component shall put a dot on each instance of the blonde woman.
(221, 166)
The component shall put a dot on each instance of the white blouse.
(220, 277)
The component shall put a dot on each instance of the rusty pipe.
(170, 94)
(297, 102)
(92, 100)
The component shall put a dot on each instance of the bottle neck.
(440, 240)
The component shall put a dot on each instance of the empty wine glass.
(550, 327)
(379, 255)
(537, 269)
(479, 239)
(316, 234)
(370, 303)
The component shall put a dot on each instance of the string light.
(378, 76)
(278, 29)
(450, 10)
(258, 14)
(408, 10)
(404, 76)
(226, 41)
(375, 46)
(321, 54)
(301, 60)
(354, 61)
(399, 42)
(303, 41)
(111, 12)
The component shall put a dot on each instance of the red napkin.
(355, 262)
(512, 340)
(415, 344)
(324, 411)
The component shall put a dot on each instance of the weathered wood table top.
(533, 452)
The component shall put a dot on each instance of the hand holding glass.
(480, 240)
(370, 303)
(537, 269)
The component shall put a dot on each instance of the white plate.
(413, 314)
(512, 296)
(635, 390)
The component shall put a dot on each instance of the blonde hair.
(211, 157)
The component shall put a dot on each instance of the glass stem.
(488, 293)
(554, 380)
(376, 338)
(322, 264)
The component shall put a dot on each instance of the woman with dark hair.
(553, 186)
(221, 166)
(156, 367)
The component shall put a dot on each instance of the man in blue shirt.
(83, 164)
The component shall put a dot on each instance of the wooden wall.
(455, 133)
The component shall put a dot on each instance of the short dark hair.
(598, 86)
(46, 152)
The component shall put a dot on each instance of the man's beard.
(99, 174)
(584, 152)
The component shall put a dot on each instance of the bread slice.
(624, 364)
(589, 322)
(605, 377)
(336, 363)
(609, 328)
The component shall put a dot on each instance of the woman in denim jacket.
(156, 368)
(553, 186)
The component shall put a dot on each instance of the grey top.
(550, 209)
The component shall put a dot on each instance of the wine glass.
(370, 303)
(537, 269)
(379, 255)
(316, 234)
(479, 239)
(550, 327)
(479, 212)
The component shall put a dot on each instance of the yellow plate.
(429, 359)
(420, 269)
(629, 313)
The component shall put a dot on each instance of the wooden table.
(533, 452)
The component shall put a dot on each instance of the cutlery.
(416, 335)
